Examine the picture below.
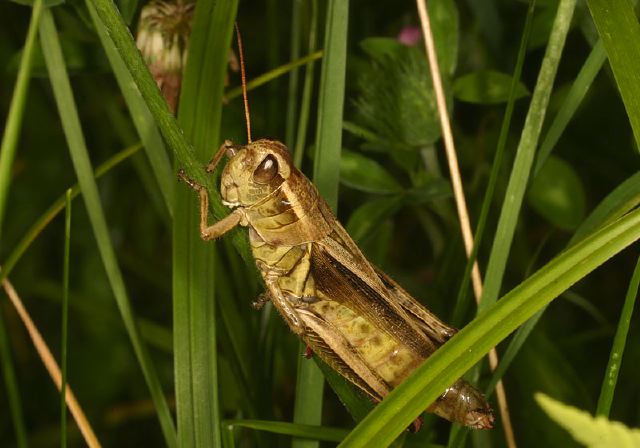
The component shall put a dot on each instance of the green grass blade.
(294, 75)
(321, 433)
(463, 291)
(277, 72)
(142, 118)
(80, 158)
(619, 30)
(309, 393)
(390, 418)
(617, 350)
(331, 102)
(310, 382)
(43, 221)
(16, 110)
(525, 154)
(65, 320)
(200, 113)
(574, 98)
(307, 89)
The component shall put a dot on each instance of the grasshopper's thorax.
(280, 204)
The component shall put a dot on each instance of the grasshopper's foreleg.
(215, 230)
(228, 147)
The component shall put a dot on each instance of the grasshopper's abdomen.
(389, 358)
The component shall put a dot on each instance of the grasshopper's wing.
(342, 273)
(425, 319)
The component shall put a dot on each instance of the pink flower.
(410, 35)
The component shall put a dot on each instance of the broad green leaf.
(396, 100)
(443, 15)
(380, 48)
(433, 189)
(486, 87)
(558, 195)
(365, 174)
(592, 432)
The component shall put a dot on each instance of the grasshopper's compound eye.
(266, 171)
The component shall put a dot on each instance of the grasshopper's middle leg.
(217, 229)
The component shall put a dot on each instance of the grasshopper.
(352, 315)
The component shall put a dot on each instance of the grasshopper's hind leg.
(217, 229)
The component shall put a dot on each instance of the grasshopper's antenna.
(247, 116)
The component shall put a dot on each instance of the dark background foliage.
(394, 198)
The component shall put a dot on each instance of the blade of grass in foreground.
(619, 30)
(322, 433)
(331, 102)
(16, 109)
(80, 158)
(200, 112)
(469, 345)
(525, 155)
(617, 350)
(310, 381)
(142, 118)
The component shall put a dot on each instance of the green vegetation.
(158, 339)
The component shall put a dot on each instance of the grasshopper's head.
(253, 171)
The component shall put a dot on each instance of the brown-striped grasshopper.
(356, 318)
